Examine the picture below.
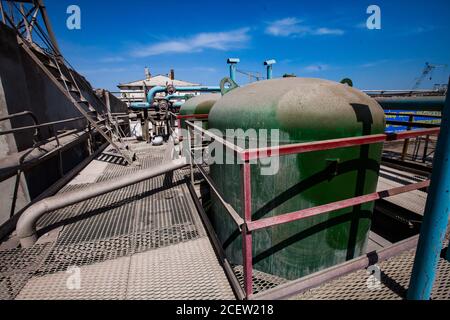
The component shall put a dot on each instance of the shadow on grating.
(154, 214)
(395, 277)
(17, 266)
(150, 215)
(261, 281)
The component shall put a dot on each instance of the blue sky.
(320, 39)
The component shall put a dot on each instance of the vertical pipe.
(233, 71)
(436, 217)
(269, 72)
(246, 235)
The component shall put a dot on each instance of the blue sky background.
(321, 39)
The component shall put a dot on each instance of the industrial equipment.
(199, 105)
(302, 110)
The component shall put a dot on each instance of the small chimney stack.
(147, 74)
(172, 74)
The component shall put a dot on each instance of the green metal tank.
(201, 104)
(303, 110)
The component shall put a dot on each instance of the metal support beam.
(49, 28)
(247, 246)
(436, 217)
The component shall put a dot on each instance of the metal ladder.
(65, 81)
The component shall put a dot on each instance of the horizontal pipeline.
(26, 226)
(158, 89)
(434, 103)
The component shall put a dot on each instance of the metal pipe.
(297, 287)
(158, 89)
(269, 65)
(26, 226)
(434, 103)
(175, 96)
(10, 225)
(43, 125)
(232, 62)
(37, 133)
(435, 221)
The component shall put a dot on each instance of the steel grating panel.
(187, 271)
(395, 277)
(106, 281)
(102, 236)
(184, 271)
(261, 281)
(17, 266)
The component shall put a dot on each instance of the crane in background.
(427, 72)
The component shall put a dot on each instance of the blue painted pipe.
(432, 103)
(174, 96)
(233, 72)
(158, 89)
(153, 91)
(139, 105)
(435, 222)
(269, 72)
(232, 62)
(269, 64)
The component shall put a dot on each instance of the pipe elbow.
(26, 226)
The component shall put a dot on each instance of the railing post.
(436, 217)
(191, 157)
(406, 142)
(247, 248)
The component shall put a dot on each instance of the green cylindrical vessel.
(303, 110)
(201, 104)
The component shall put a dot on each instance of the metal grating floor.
(145, 241)
(395, 276)
(148, 242)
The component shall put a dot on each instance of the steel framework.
(246, 225)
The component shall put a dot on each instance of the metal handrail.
(248, 226)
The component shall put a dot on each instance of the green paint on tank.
(304, 110)
(201, 104)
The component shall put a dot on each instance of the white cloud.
(196, 43)
(373, 63)
(286, 27)
(293, 27)
(112, 59)
(324, 31)
(316, 68)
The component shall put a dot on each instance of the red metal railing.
(248, 226)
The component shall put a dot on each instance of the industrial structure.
(285, 188)
(135, 91)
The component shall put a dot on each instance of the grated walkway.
(145, 241)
